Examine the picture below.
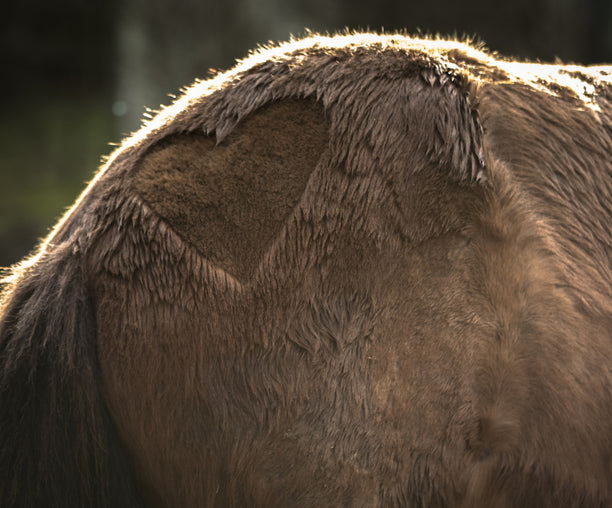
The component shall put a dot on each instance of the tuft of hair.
(57, 444)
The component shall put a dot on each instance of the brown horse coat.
(353, 271)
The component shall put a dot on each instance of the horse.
(357, 270)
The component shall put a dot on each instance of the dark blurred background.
(78, 74)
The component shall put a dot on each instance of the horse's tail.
(58, 446)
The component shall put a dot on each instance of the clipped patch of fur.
(203, 189)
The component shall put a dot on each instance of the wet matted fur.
(353, 271)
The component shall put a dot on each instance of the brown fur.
(360, 271)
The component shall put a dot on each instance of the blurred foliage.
(56, 121)
(47, 164)
(78, 74)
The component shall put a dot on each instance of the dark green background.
(76, 75)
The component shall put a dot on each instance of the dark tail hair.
(58, 446)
